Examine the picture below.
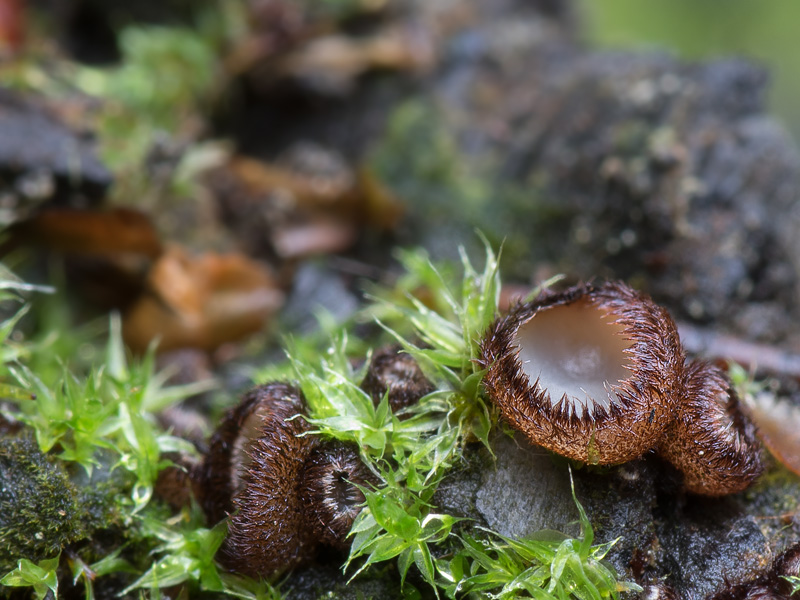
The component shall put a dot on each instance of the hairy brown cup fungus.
(712, 442)
(397, 373)
(589, 373)
(598, 374)
(327, 490)
(277, 485)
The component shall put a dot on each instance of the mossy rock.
(41, 509)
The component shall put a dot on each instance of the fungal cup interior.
(575, 350)
(251, 430)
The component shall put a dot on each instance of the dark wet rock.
(41, 160)
(619, 502)
(643, 167)
(525, 491)
(772, 583)
(666, 540)
(328, 581)
(520, 490)
(317, 287)
(457, 491)
(709, 547)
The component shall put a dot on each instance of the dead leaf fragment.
(201, 301)
(313, 238)
(112, 233)
(312, 202)
(778, 425)
(12, 26)
(331, 64)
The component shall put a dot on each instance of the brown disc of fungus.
(398, 374)
(253, 472)
(590, 373)
(712, 441)
(330, 491)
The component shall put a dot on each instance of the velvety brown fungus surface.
(330, 493)
(712, 441)
(253, 472)
(397, 373)
(594, 379)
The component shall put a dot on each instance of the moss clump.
(41, 509)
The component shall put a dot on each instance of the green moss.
(107, 417)
(41, 509)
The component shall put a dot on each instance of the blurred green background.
(767, 31)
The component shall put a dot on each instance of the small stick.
(720, 346)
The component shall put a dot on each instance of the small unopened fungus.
(712, 441)
(284, 493)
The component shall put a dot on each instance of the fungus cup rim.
(647, 399)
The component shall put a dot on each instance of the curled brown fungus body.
(285, 493)
(253, 472)
(397, 374)
(712, 441)
(264, 408)
(330, 491)
(598, 374)
(588, 373)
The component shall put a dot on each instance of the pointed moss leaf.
(424, 562)
(10, 281)
(421, 423)
(42, 577)
(165, 573)
(480, 293)
(404, 561)
(7, 326)
(247, 588)
(157, 397)
(599, 552)
(397, 522)
(433, 362)
(115, 353)
(339, 424)
(383, 410)
(536, 291)
(375, 440)
(380, 549)
(170, 443)
(14, 392)
(387, 547)
(189, 555)
(436, 527)
(794, 581)
(563, 554)
(420, 267)
(481, 425)
(587, 533)
(471, 384)
(112, 563)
